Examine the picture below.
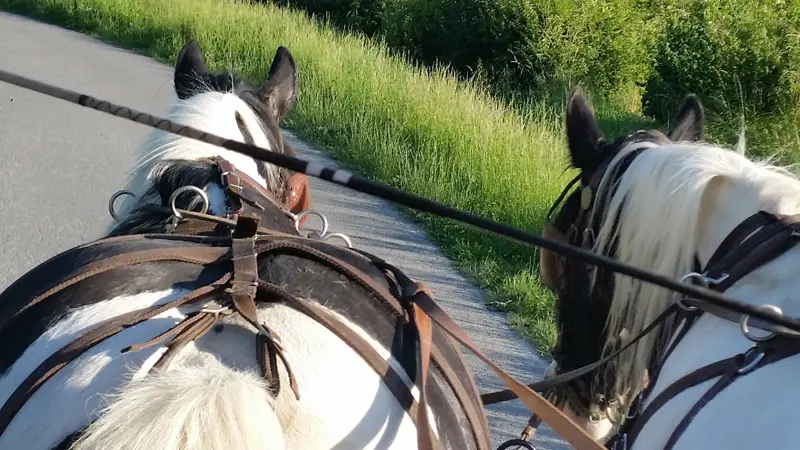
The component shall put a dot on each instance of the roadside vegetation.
(485, 134)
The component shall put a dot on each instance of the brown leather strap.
(233, 179)
(210, 225)
(198, 327)
(230, 181)
(692, 379)
(728, 369)
(559, 422)
(243, 289)
(557, 380)
(759, 239)
(474, 416)
(425, 438)
(737, 235)
(773, 352)
(194, 255)
(724, 380)
(189, 322)
(762, 247)
(356, 342)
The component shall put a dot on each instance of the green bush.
(364, 16)
(738, 56)
(528, 45)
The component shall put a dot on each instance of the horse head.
(585, 294)
(225, 105)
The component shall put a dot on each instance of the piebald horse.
(147, 339)
(704, 377)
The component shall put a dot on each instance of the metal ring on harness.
(340, 236)
(691, 276)
(113, 199)
(301, 214)
(748, 333)
(753, 362)
(183, 189)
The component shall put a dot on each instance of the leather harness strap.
(396, 384)
(557, 420)
(756, 241)
(196, 255)
(243, 291)
(232, 180)
(425, 437)
(472, 410)
(77, 347)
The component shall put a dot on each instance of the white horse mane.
(210, 111)
(671, 196)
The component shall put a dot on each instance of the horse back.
(83, 275)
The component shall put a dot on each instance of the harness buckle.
(704, 280)
(232, 181)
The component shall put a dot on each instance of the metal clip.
(753, 360)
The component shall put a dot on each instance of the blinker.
(586, 198)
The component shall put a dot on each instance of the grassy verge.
(426, 133)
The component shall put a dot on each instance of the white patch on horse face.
(599, 431)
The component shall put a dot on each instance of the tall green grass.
(426, 133)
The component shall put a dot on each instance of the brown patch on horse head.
(550, 262)
(299, 194)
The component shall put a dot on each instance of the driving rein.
(233, 245)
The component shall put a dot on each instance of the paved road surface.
(61, 163)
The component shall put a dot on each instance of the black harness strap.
(759, 239)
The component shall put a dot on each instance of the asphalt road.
(62, 162)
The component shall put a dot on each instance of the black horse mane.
(171, 176)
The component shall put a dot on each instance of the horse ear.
(688, 124)
(279, 92)
(189, 70)
(583, 132)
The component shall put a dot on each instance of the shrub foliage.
(738, 56)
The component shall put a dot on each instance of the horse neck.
(685, 205)
(735, 201)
